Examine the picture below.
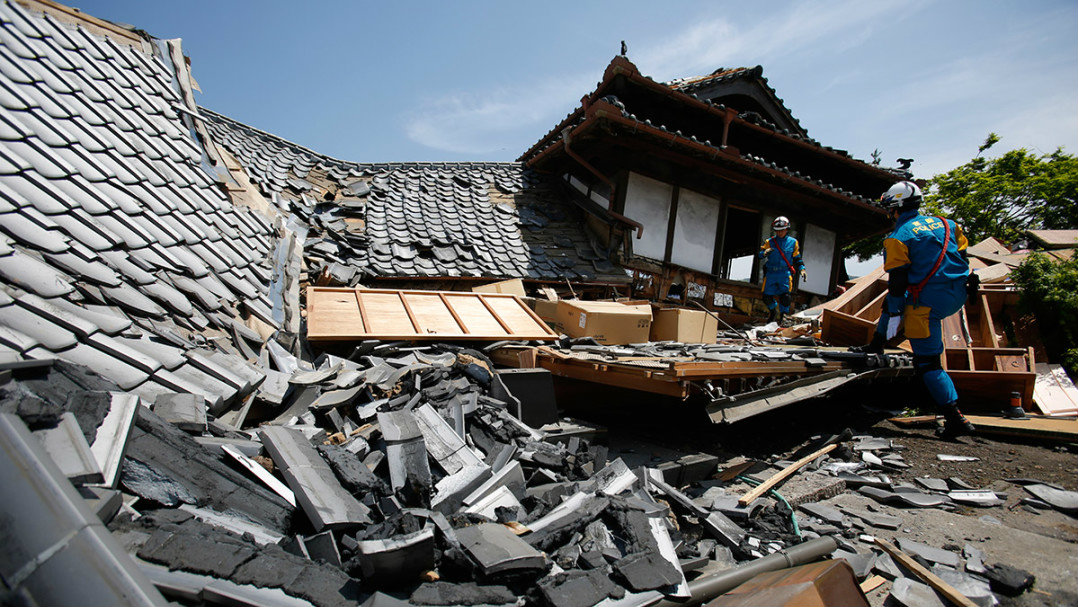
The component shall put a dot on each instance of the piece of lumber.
(872, 583)
(780, 476)
(1051, 428)
(914, 421)
(929, 578)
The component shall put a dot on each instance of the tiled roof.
(469, 219)
(695, 83)
(118, 250)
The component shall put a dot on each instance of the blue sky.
(411, 81)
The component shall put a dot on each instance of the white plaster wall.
(648, 201)
(819, 255)
(694, 231)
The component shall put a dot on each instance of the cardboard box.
(688, 326)
(514, 286)
(607, 321)
(547, 310)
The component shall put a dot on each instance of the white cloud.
(484, 122)
(718, 42)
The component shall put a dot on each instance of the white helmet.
(780, 223)
(902, 195)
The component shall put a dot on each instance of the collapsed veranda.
(154, 317)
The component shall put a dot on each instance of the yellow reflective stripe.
(895, 254)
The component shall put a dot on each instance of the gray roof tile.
(33, 231)
(30, 273)
(133, 301)
(49, 334)
(109, 321)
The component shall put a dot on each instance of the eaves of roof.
(621, 66)
(604, 111)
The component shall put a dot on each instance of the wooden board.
(1053, 391)
(1050, 428)
(335, 314)
(841, 329)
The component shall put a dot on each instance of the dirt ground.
(1042, 542)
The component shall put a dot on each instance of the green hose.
(793, 517)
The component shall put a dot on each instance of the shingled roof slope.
(419, 220)
(118, 250)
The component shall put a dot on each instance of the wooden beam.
(766, 486)
(930, 578)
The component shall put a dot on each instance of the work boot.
(873, 347)
(771, 315)
(954, 423)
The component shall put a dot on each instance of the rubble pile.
(379, 473)
(873, 467)
(396, 470)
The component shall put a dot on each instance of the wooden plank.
(989, 339)
(1064, 429)
(861, 291)
(1053, 391)
(873, 309)
(474, 314)
(841, 329)
(494, 313)
(913, 421)
(515, 314)
(453, 313)
(386, 314)
(611, 377)
(437, 318)
(333, 313)
(929, 578)
(353, 314)
(872, 583)
(777, 478)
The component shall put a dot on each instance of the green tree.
(999, 197)
(1049, 291)
(1004, 196)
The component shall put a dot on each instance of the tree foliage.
(999, 197)
(1049, 291)
(1004, 196)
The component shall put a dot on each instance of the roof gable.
(744, 89)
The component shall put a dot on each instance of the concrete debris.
(974, 589)
(911, 593)
(934, 555)
(1066, 501)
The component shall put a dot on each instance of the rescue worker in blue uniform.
(928, 271)
(782, 259)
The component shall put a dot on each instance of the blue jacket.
(777, 276)
(916, 243)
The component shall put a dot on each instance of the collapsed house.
(156, 376)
